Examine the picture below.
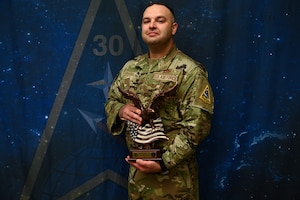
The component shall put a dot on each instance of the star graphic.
(105, 83)
(93, 120)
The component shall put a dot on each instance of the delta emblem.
(205, 95)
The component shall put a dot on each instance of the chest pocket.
(166, 85)
(164, 98)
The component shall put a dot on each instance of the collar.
(141, 60)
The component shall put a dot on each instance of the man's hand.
(145, 166)
(131, 113)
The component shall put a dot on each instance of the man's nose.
(152, 25)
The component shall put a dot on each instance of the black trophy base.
(145, 154)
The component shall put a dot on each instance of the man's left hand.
(146, 166)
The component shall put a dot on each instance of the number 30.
(115, 45)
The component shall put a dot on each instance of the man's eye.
(161, 20)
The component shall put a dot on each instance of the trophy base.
(145, 154)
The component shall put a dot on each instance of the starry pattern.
(133, 129)
(249, 49)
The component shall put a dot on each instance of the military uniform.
(186, 117)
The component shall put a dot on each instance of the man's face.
(158, 25)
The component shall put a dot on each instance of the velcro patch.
(164, 77)
(205, 95)
(204, 98)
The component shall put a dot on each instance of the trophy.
(146, 136)
(151, 130)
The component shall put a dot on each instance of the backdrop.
(59, 57)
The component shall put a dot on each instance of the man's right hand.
(131, 113)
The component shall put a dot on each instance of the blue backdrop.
(58, 59)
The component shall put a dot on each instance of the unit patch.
(205, 95)
(204, 98)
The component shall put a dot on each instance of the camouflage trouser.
(180, 182)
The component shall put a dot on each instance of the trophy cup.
(151, 130)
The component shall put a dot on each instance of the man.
(185, 115)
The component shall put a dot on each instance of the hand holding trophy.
(151, 130)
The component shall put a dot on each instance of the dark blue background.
(250, 49)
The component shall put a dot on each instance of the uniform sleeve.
(196, 109)
(112, 107)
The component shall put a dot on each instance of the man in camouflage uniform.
(185, 115)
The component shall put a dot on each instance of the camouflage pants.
(180, 183)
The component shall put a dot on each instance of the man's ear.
(174, 28)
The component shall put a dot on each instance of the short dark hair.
(162, 4)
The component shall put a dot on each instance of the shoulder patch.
(204, 98)
(205, 95)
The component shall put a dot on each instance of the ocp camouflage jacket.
(186, 115)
